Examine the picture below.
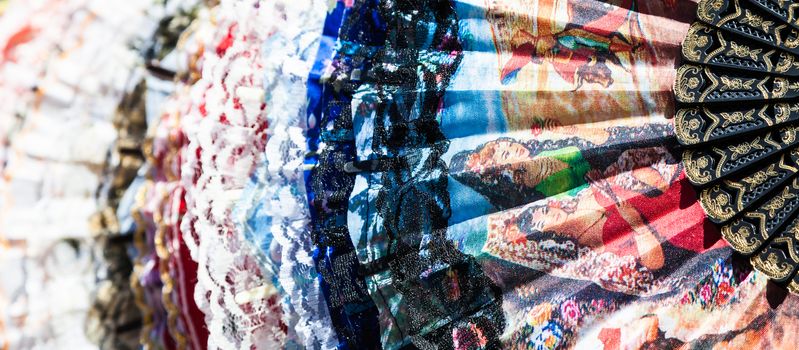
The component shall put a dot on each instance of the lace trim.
(429, 293)
(352, 312)
(240, 304)
(166, 153)
(273, 212)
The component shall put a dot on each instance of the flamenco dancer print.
(594, 37)
(584, 62)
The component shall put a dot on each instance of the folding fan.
(226, 133)
(113, 301)
(516, 183)
(273, 212)
(737, 121)
(352, 312)
(136, 297)
(64, 66)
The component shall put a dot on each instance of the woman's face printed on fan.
(498, 153)
(512, 160)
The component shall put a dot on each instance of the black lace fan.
(738, 94)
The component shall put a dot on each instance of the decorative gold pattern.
(756, 21)
(693, 168)
(788, 135)
(718, 206)
(698, 37)
(778, 202)
(793, 41)
(687, 80)
(737, 117)
(687, 127)
(744, 148)
(782, 86)
(772, 266)
(760, 177)
(745, 154)
(743, 51)
(786, 62)
(707, 9)
(784, 111)
(793, 287)
(728, 83)
(740, 240)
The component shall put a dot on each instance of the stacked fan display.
(377, 174)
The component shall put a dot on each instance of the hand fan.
(346, 44)
(273, 212)
(168, 144)
(116, 320)
(114, 308)
(736, 121)
(429, 293)
(164, 274)
(517, 183)
(226, 131)
(65, 66)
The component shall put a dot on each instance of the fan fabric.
(398, 174)
(556, 171)
(348, 40)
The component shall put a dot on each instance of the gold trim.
(693, 166)
(756, 21)
(716, 120)
(694, 40)
(722, 161)
(685, 83)
(686, 129)
(762, 87)
(771, 266)
(737, 117)
(739, 240)
(714, 83)
(793, 287)
(706, 8)
(743, 51)
(716, 207)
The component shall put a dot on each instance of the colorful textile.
(273, 211)
(347, 46)
(64, 67)
(429, 294)
(226, 131)
(360, 174)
